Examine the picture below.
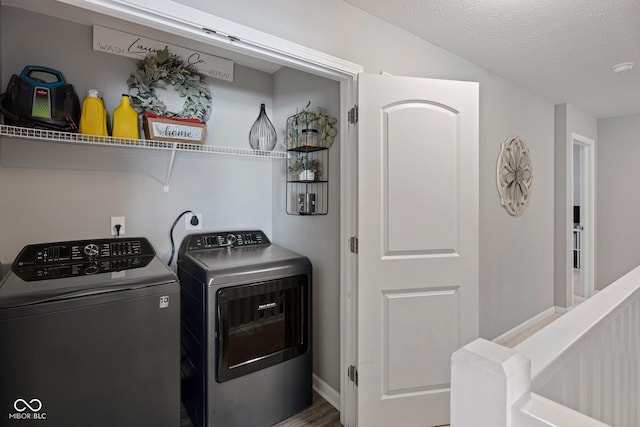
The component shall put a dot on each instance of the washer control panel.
(82, 250)
(81, 257)
(225, 239)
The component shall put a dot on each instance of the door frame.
(187, 22)
(587, 213)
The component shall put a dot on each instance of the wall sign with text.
(125, 44)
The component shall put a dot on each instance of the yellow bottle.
(93, 120)
(125, 120)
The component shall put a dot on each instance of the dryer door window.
(262, 324)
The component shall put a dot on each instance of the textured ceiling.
(561, 50)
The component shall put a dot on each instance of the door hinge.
(353, 244)
(229, 36)
(352, 373)
(353, 115)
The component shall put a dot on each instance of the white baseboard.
(510, 334)
(327, 392)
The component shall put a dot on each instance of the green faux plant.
(300, 162)
(310, 118)
(162, 69)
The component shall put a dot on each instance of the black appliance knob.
(231, 239)
(91, 250)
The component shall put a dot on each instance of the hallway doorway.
(583, 218)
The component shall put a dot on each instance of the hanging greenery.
(161, 69)
(314, 119)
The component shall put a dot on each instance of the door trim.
(587, 213)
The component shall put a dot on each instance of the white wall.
(516, 254)
(618, 201)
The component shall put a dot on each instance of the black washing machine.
(246, 329)
(89, 332)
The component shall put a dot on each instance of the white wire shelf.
(81, 139)
(54, 136)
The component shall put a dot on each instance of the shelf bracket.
(167, 180)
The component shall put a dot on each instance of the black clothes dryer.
(246, 329)
(89, 336)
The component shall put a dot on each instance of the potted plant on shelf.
(306, 169)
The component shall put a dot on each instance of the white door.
(418, 244)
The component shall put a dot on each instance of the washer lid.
(14, 291)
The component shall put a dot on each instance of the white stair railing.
(581, 370)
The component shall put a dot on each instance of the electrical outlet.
(117, 220)
(187, 222)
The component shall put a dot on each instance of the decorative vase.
(262, 135)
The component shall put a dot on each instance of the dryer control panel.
(224, 239)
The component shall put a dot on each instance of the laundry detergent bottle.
(125, 120)
(93, 119)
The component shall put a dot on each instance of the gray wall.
(618, 199)
(52, 192)
(318, 237)
(516, 254)
(58, 192)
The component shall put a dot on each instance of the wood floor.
(319, 414)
